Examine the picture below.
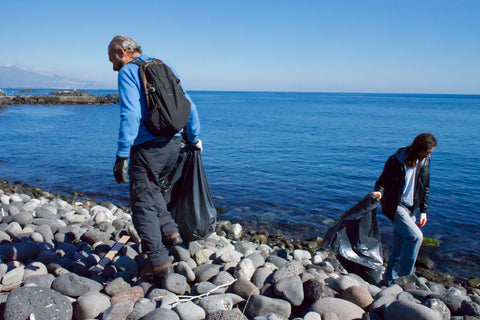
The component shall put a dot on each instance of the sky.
(385, 46)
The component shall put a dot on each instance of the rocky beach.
(52, 245)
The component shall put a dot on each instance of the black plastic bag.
(356, 240)
(188, 199)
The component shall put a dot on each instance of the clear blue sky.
(406, 46)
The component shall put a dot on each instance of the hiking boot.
(172, 240)
(154, 272)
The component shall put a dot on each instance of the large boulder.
(44, 303)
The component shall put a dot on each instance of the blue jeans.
(407, 239)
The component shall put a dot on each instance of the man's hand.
(423, 220)
(377, 194)
(198, 145)
(120, 170)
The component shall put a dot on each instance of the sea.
(282, 162)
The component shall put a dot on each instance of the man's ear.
(121, 53)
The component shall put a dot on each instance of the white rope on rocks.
(191, 298)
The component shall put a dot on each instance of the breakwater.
(50, 242)
(60, 97)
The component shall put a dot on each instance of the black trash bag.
(355, 239)
(188, 199)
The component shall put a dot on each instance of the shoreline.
(60, 97)
(425, 265)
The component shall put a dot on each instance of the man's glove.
(120, 170)
(423, 220)
(377, 194)
(198, 145)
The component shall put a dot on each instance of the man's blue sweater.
(133, 107)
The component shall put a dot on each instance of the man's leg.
(148, 163)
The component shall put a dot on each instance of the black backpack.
(168, 109)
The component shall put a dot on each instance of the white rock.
(245, 269)
(101, 214)
(5, 199)
(300, 255)
(31, 205)
(15, 198)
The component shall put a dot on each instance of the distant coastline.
(66, 97)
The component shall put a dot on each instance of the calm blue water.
(288, 163)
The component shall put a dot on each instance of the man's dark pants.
(150, 164)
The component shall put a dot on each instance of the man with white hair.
(152, 158)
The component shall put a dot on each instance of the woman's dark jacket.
(392, 181)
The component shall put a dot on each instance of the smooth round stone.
(141, 308)
(245, 288)
(204, 287)
(245, 269)
(73, 285)
(342, 308)
(161, 314)
(312, 316)
(34, 269)
(216, 302)
(43, 281)
(14, 276)
(290, 289)
(260, 305)
(118, 311)
(91, 305)
(190, 311)
(401, 309)
(175, 283)
(206, 271)
(440, 307)
(299, 254)
(184, 269)
(132, 294)
(117, 285)
(23, 218)
(262, 276)
(358, 295)
(257, 259)
(44, 303)
(290, 269)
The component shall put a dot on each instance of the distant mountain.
(14, 77)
